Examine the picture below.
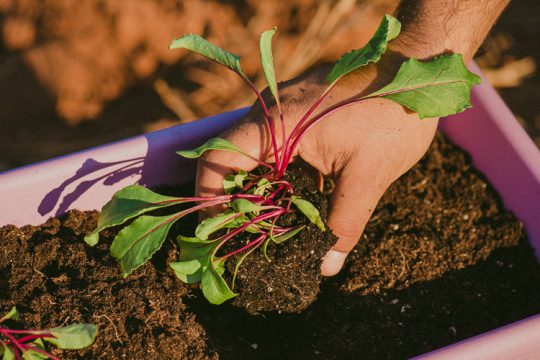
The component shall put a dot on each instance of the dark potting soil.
(290, 281)
(54, 279)
(440, 261)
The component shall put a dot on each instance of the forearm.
(433, 27)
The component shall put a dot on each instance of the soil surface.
(440, 261)
(55, 279)
(290, 282)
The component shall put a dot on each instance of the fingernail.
(333, 262)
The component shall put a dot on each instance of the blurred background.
(79, 73)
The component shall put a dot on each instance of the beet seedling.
(254, 203)
(30, 344)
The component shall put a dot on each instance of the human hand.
(364, 147)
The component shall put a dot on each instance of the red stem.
(38, 350)
(286, 183)
(241, 228)
(269, 121)
(14, 341)
(16, 352)
(283, 136)
(10, 331)
(207, 198)
(286, 157)
(250, 244)
(315, 120)
(28, 338)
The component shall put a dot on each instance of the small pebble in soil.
(405, 307)
(254, 346)
(394, 301)
(452, 330)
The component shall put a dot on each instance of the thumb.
(357, 192)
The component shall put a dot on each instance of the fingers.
(213, 166)
(357, 192)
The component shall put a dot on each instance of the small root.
(112, 324)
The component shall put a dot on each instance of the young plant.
(254, 203)
(30, 344)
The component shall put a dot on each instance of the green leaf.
(229, 184)
(182, 240)
(388, 30)
(213, 286)
(203, 47)
(189, 271)
(74, 336)
(239, 262)
(234, 181)
(241, 220)
(212, 144)
(191, 251)
(126, 204)
(262, 186)
(289, 234)
(12, 314)
(34, 355)
(194, 258)
(136, 243)
(240, 178)
(245, 206)
(6, 353)
(310, 211)
(210, 225)
(435, 88)
(265, 247)
(267, 62)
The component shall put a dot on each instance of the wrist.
(414, 45)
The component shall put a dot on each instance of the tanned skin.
(367, 146)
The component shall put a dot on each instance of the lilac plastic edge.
(498, 145)
(501, 149)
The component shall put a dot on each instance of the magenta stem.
(38, 350)
(250, 244)
(272, 195)
(16, 352)
(241, 228)
(10, 331)
(283, 136)
(287, 185)
(14, 341)
(315, 120)
(28, 338)
(310, 111)
(207, 198)
(287, 151)
(269, 120)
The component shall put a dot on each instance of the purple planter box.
(86, 180)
